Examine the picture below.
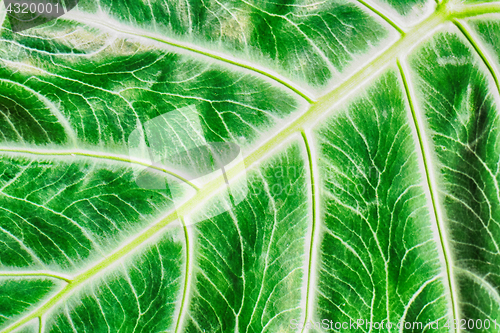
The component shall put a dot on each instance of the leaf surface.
(251, 166)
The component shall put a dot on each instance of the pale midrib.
(432, 187)
(323, 105)
(96, 155)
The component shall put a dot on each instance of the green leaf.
(251, 166)
(19, 294)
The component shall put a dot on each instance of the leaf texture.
(251, 166)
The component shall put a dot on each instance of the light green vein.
(312, 246)
(433, 195)
(79, 17)
(187, 279)
(383, 16)
(112, 157)
(463, 11)
(34, 274)
(479, 51)
(322, 106)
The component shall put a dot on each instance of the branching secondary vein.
(312, 246)
(382, 15)
(433, 195)
(187, 278)
(475, 44)
(80, 17)
(34, 274)
(90, 154)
